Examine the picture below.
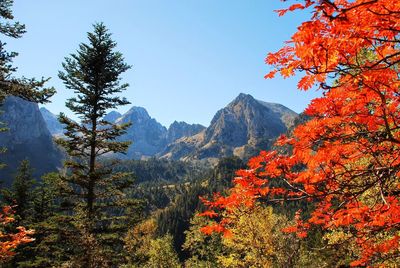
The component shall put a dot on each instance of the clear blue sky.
(190, 57)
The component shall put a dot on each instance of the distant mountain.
(148, 136)
(242, 128)
(27, 138)
(57, 129)
(51, 120)
(178, 130)
(112, 116)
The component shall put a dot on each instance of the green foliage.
(155, 170)
(162, 254)
(160, 181)
(94, 191)
(144, 249)
(29, 89)
(20, 194)
(257, 240)
(202, 250)
(54, 232)
(138, 242)
(175, 219)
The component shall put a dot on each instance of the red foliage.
(9, 241)
(350, 149)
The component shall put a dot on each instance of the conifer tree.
(28, 89)
(55, 232)
(20, 198)
(20, 194)
(94, 190)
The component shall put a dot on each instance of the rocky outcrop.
(178, 130)
(147, 135)
(28, 138)
(51, 120)
(242, 128)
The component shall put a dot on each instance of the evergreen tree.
(29, 89)
(54, 231)
(20, 194)
(94, 190)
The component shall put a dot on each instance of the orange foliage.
(9, 241)
(346, 158)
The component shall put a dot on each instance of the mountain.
(57, 129)
(27, 138)
(148, 136)
(51, 120)
(242, 128)
(178, 130)
(112, 116)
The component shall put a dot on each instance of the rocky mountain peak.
(112, 116)
(181, 129)
(244, 126)
(243, 98)
(147, 135)
(136, 114)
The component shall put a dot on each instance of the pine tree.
(94, 190)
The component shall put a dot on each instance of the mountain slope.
(178, 130)
(112, 116)
(51, 120)
(27, 138)
(241, 128)
(147, 135)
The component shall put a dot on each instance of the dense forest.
(325, 194)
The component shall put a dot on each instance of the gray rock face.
(112, 116)
(178, 130)
(148, 136)
(27, 138)
(53, 125)
(241, 128)
(246, 121)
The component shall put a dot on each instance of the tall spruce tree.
(95, 191)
